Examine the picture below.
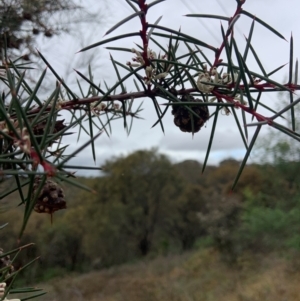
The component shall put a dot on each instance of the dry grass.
(198, 276)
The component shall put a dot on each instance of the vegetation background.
(141, 235)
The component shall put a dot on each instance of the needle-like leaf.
(182, 36)
(154, 3)
(208, 16)
(262, 23)
(242, 166)
(239, 127)
(132, 6)
(212, 134)
(57, 76)
(91, 132)
(118, 74)
(152, 29)
(127, 35)
(248, 41)
(139, 13)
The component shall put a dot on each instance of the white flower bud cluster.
(2, 292)
(226, 111)
(96, 110)
(139, 57)
(227, 79)
(205, 78)
(202, 81)
(4, 128)
(58, 104)
(24, 143)
(101, 107)
(151, 72)
(240, 100)
(116, 106)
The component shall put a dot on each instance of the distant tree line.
(145, 206)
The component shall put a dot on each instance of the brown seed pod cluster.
(51, 198)
(5, 265)
(39, 131)
(187, 121)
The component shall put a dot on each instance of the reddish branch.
(228, 33)
(237, 104)
(49, 169)
(144, 7)
(78, 104)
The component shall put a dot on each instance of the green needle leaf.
(212, 134)
(292, 110)
(154, 3)
(291, 60)
(3, 226)
(275, 70)
(296, 73)
(57, 76)
(119, 49)
(139, 13)
(248, 41)
(91, 131)
(286, 131)
(63, 178)
(257, 59)
(239, 127)
(245, 122)
(51, 120)
(291, 65)
(152, 29)
(34, 296)
(89, 81)
(118, 74)
(34, 92)
(228, 52)
(60, 165)
(208, 16)
(246, 156)
(242, 66)
(156, 106)
(262, 23)
(132, 6)
(184, 37)
(127, 35)
(124, 113)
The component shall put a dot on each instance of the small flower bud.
(161, 75)
(116, 106)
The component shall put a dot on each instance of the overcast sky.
(273, 52)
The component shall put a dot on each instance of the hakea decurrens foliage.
(194, 88)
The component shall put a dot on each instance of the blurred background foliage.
(23, 22)
(145, 206)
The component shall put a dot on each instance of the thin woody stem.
(230, 99)
(77, 104)
(144, 8)
(228, 33)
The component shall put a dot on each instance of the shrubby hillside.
(145, 206)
